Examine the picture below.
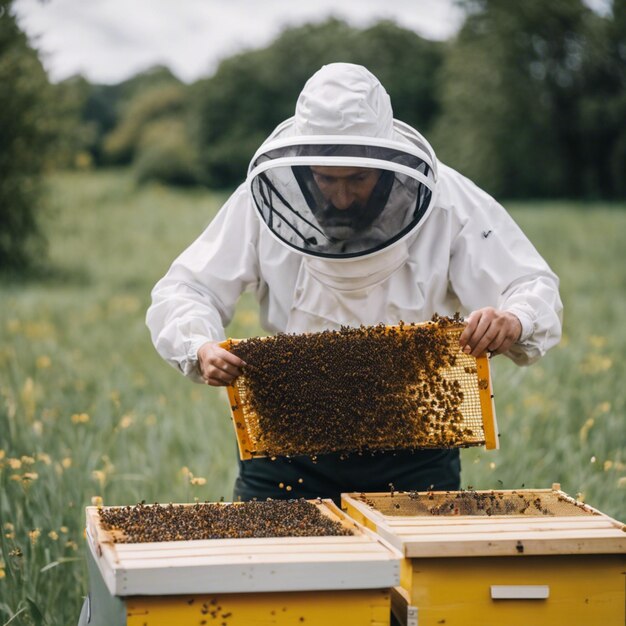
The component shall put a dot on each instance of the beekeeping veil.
(343, 121)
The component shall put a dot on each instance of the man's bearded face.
(346, 192)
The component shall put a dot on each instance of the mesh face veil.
(342, 196)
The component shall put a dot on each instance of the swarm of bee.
(272, 518)
(474, 503)
(356, 389)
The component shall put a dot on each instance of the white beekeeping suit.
(430, 241)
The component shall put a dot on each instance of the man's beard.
(343, 224)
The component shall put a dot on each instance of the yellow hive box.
(499, 558)
(239, 582)
(450, 405)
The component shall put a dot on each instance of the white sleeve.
(196, 299)
(494, 264)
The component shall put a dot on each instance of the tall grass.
(87, 408)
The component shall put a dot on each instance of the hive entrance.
(361, 389)
(475, 503)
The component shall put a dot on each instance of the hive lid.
(487, 523)
(370, 388)
(358, 561)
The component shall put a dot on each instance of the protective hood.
(342, 179)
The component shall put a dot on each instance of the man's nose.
(342, 198)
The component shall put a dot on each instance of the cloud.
(110, 40)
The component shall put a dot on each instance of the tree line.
(528, 100)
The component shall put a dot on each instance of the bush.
(155, 103)
(165, 154)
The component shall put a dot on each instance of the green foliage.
(87, 113)
(526, 89)
(252, 92)
(77, 137)
(149, 105)
(165, 154)
(26, 133)
(153, 134)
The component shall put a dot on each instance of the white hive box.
(359, 561)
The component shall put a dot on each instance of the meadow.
(88, 409)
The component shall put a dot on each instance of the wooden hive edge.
(359, 561)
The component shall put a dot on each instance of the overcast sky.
(110, 40)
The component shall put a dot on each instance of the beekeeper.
(347, 218)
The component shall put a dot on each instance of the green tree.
(515, 86)
(77, 137)
(166, 154)
(147, 106)
(26, 133)
(252, 92)
(602, 106)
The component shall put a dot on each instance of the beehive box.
(239, 581)
(370, 388)
(500, 557)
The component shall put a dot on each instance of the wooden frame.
(496, 535)
(483, 385)
(359, 561)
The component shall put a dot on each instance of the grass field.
(88, 409)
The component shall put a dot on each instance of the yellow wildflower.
(126, 421)
(2, 573)
(608, 465)
(96, 501)
(44, 458)
(595, 363)
(8, 526)
(27, 460)
(115, 398)
(198, 480)
(34, 535)
(66, 462)
(80, 418)
(14, 463)
(603, 407)
(584, 431)
(53, 535)
(39, 330)
(99, 476)
(30, 476)
(43, 362)
(28, 398)
(597, 341)
(2, 454)
(14, 326)
(71, 545)
(64, 529)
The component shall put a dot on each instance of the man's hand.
(490, 330)
(218, 367)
